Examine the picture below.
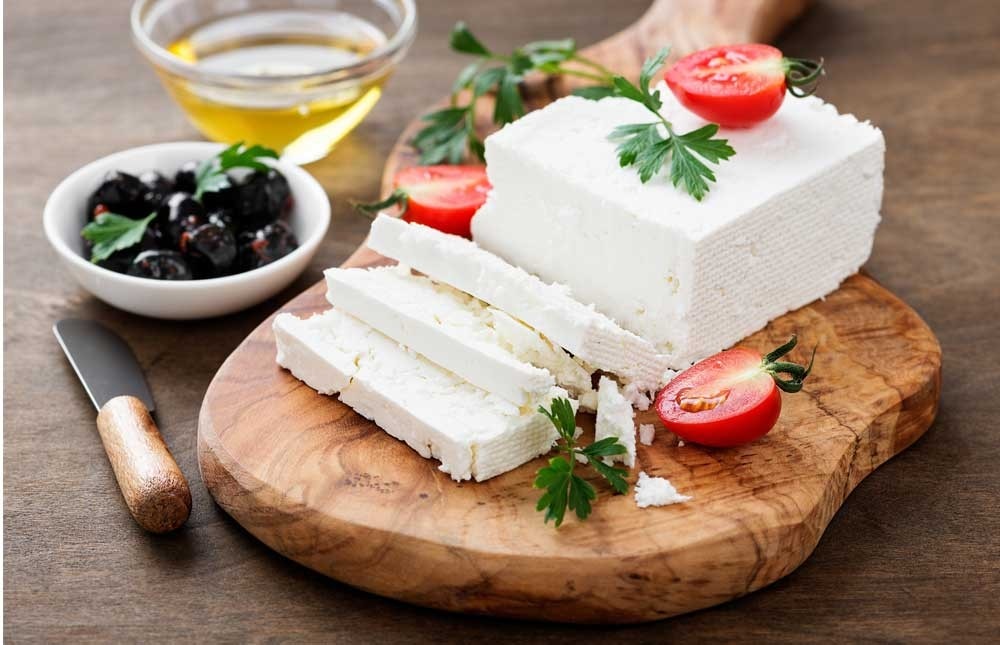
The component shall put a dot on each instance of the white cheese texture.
(614, 419)
(548, 308)
(656, 491)
(443, 324)
(647, 432)
(527, 344)
(472, 432)
(792, 214)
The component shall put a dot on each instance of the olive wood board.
(328, 489)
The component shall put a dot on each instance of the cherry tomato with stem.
(442, 197)
(738, 86)
(731, 398)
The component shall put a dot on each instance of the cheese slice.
(615, 419)
(472, 432)
(791, 215)
(443, 324)
(548, 308)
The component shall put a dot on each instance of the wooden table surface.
(913, 555)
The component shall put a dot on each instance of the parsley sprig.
(110, 232)
(644, 145)
(563, 488)
(211, 174)
(451, 131)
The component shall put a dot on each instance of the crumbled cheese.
(530, 346)
(646, 434)
(680, 443)
(656, 491)
(635, 395)
(614, 419)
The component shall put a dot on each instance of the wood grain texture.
(327, 488)
(912, 557)
(154, 488)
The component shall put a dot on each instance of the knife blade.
(152, 484)
(103, 362)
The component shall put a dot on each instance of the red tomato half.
(444, 197)
(725, 400)
(735, 86)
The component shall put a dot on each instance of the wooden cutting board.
(327, 488)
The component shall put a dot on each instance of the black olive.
(158, 188)
(223, 217)
(185, 180)
(226, 198)
(160, 265)
(210, 250)
(119, 193)
(178, 213)
(119, 261)
(263, 198)
(266, 245)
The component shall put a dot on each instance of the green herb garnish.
(110, 232)
(211, 174)
(644, 146)
(397, 197)
(562, 487)
(451, 131)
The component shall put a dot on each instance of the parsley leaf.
(398, 196)
(211, 174)
(451, 132)
(594, 92)
(463, 41)
(648, 146)
(563, 488)
(110, 232)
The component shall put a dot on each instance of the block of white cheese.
(656, 491)
(548, 308)
(473, 433)
(792, 214)
(614, 419)
(444, 325)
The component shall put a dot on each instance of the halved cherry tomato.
(730, 398)
(738, 86)
(443, 197)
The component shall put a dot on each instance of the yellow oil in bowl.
(271, 77)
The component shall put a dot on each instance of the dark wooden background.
(913, 555)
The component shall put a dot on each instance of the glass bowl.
(293, 75)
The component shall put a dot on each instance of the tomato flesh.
(736, 86)
(444, 197)
(725, 400)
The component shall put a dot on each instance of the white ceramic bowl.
(188, 299)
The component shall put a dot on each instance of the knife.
(154, 488)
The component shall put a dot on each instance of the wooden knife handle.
(154, 488)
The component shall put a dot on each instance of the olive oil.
(275, 93)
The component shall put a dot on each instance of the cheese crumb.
(615, 419)
(639, 399)
(656, 491)
(646, 433)
(680, 443)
